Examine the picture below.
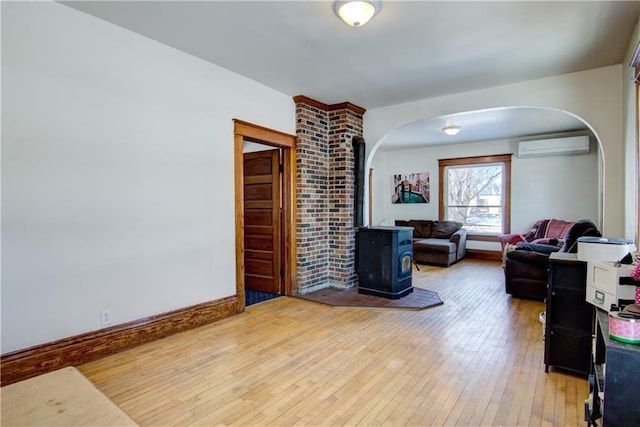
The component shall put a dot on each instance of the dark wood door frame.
(244, 131)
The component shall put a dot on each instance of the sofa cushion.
(421, 228)
(434, 246)
(444, 229)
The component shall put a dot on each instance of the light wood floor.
(477, 360)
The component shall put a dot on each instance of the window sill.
(483, 237)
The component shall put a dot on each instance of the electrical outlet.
(105, 317)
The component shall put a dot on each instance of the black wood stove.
(384, 261)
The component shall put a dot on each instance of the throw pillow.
(421, 228)
(444, 229)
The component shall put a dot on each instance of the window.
(476, 191)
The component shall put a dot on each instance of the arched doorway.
(478, 128)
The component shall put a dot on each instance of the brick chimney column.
(326, 193)
(344, 123)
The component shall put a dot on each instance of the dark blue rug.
(254, 297)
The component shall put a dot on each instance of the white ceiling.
(410, 50)
(485, 125)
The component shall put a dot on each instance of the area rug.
(254, 297)
(60, 398)
(419, 299)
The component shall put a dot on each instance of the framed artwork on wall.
(411, 188)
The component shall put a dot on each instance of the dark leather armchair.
(525, 270)
(526, 267)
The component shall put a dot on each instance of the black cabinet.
(385, 260)
(568, 324)
(616, 379)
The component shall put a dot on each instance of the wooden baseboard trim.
(484, 255)
(84, 348)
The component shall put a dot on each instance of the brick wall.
(325, 193)
(312, 130)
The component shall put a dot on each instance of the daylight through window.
(475, 192)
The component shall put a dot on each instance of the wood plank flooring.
(477, 360)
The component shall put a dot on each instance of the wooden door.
(262, 223)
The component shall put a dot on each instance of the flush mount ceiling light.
(451, 130)
(356, 13)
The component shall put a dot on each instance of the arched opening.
(415, 148)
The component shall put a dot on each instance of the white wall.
(595, 96)
(117, 173)
(562, 187)
(630, 148)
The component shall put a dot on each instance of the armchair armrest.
(460, 239)
(510, 239)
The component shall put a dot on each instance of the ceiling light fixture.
(356, 13)
(451, 130)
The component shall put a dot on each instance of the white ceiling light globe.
(355, 13)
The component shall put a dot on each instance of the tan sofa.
(436, 242)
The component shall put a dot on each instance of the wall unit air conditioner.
(554, 146)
